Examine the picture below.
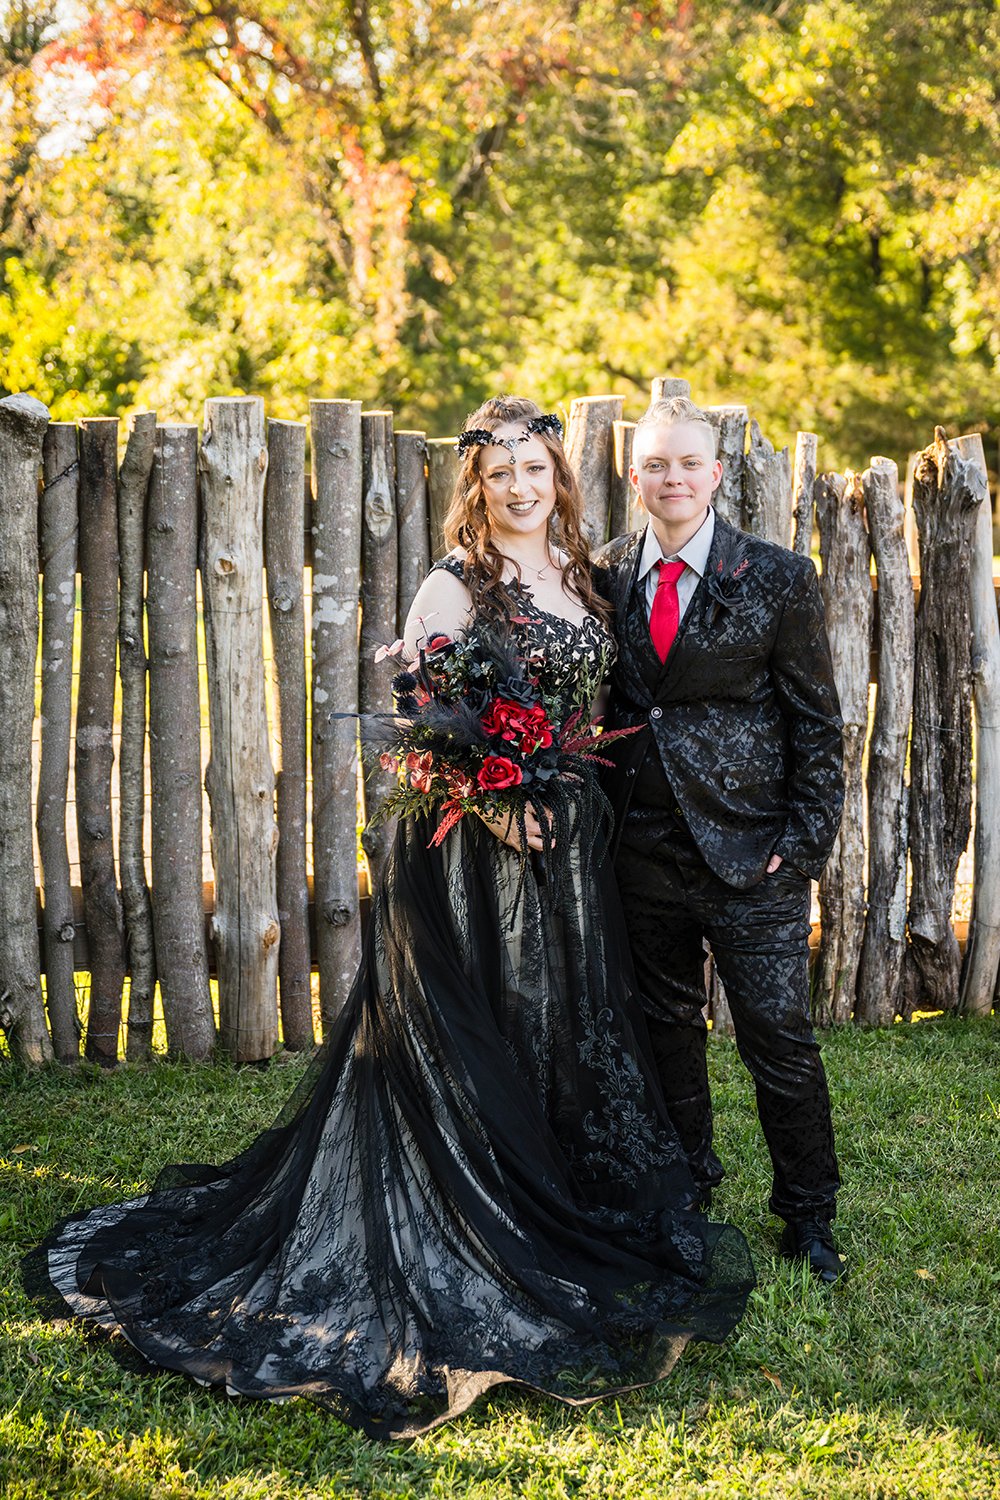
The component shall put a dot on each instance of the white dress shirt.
(694, 555)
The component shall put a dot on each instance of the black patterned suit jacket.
(744, 714)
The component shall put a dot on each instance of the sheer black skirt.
(474, 1183)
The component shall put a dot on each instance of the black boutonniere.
(725, 584)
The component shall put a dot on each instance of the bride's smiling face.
(520, 487)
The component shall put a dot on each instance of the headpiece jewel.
(478, 437)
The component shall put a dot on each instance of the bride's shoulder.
(442, 602)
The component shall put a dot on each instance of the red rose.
(497, 772)
(501, 716)
(437, 641)
(514, 721)
(534, 729)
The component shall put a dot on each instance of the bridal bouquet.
(473, 732)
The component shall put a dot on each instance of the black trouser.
(759, 940)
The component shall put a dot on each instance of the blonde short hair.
(674, 409)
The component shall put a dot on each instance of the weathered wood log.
(23, 421)
(240, 778)
(443, 465)
(730, 423)
(98, 551)
(379, 555)
(590, 454)
(58, 543)
(133, 483)
(981, 966)
(175, 743)
(336, 584)
(623, 512)
(910, 530)
(413, 525)
(803, 485)
(767, 489)
(845, 583)
(284, 558)
(947, 493)
(718, 1006)
(884, 946)
(662, 387)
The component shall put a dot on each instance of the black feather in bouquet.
(473, 732)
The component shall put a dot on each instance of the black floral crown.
(478, 437)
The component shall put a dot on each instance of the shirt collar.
(694, 552)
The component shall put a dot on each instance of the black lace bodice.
(570, 659)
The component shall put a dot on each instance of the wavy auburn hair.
(467, 523)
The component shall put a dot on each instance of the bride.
(476, 1181)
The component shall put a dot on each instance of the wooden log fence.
(344, 547)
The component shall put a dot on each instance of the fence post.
(58, 538)
(413, 522)
(175, 743)
(803, 486)
(94, 726)
(767, 489)
(847, 602)
(379, 557)
(240, 777)
(982, 954)
(336, 583)
(284, 558)
(625, 510)
(23, 421)
(590, 454)
(443, 464)
(730, 423)
(883, 949)
(663, 387)
(133, 482)
(947, 491)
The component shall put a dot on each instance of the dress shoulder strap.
(452, 565)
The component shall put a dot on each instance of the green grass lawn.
(888, 1386)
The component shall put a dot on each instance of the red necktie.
(665, 615)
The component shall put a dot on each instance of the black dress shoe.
(811, 1241)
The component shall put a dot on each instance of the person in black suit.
(725, 807)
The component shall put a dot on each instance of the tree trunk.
(767, 490)
(414, 522)
(379, 556)
(730, 423)
(133, 482)
(240, 776)
(590, 454)
(624, 512)
(284, 557)
(947, 492)
(847, 600)
(803, 486)
(175, 743)
(443, 466)
(94, 725)
(23, 421)
(982, 953)
(58, 535)
(336, 583)
(884, 947)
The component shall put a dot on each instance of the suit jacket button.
(656, 713)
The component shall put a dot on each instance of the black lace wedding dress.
(474, 1183)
